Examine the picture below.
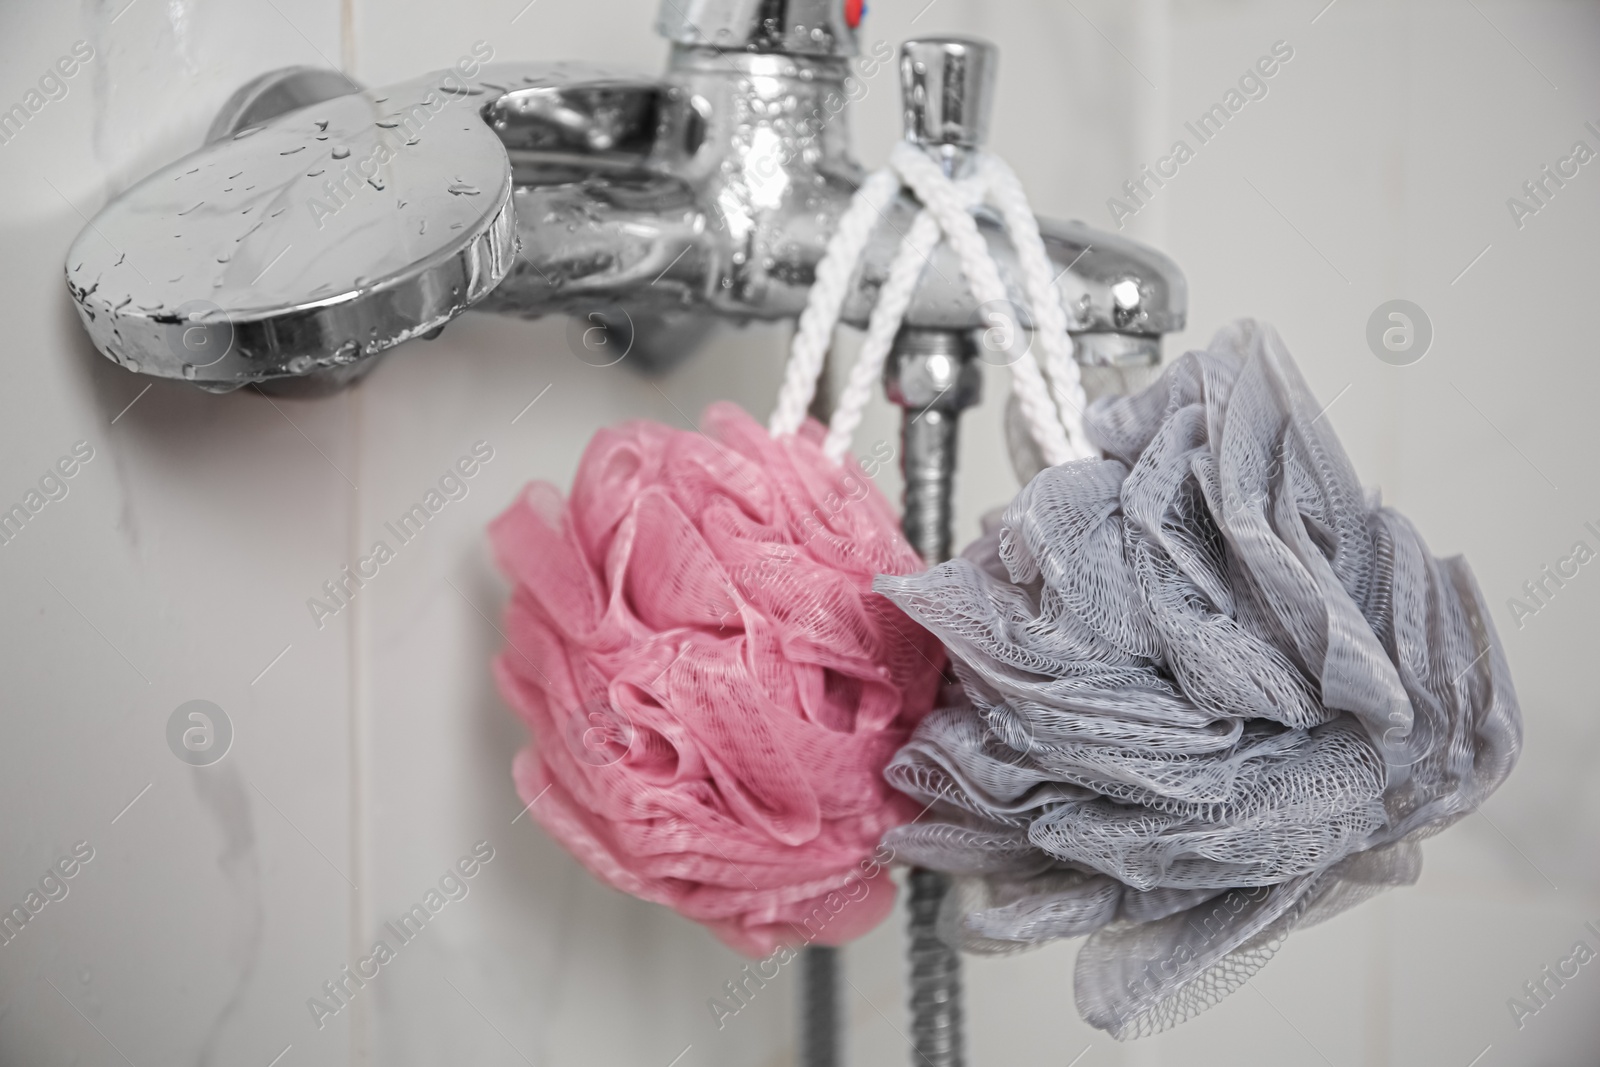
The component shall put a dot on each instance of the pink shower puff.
(712, 686)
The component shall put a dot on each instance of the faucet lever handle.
(306, 242)
(947, 87)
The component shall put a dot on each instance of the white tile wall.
(374, 752)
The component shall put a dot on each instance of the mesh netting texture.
(1218, 692)
(712, 686)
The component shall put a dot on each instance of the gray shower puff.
(1217, 692)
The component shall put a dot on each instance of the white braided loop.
(1052, 410)
(1044, 299)
(893, 300)
(814, 332)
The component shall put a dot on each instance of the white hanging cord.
(946, 215)
(893, 300)
(938, 195)
(814, 333)
(1044, 299)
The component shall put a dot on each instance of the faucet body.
(715, 190)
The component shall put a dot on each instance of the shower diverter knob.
(947, 87)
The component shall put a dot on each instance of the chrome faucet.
(322, 224)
